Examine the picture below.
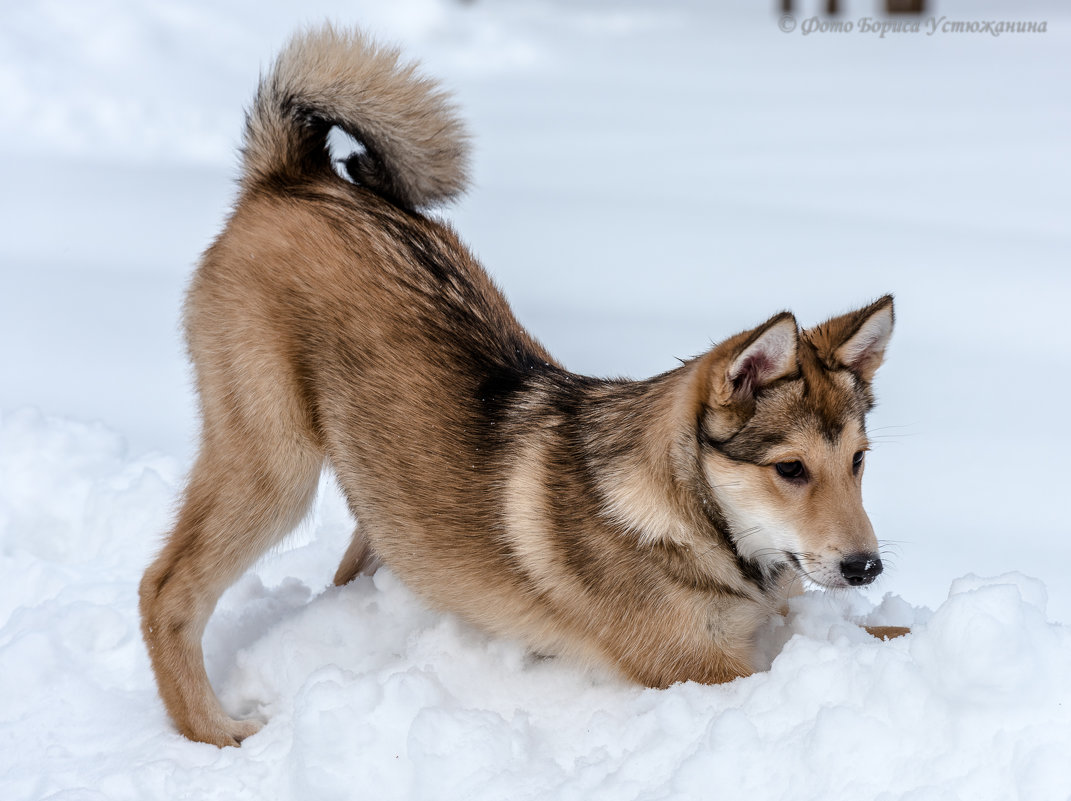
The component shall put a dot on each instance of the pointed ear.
(855, 340)
(741, 366)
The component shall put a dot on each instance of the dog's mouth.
(853, 570)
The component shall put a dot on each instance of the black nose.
(860, 568)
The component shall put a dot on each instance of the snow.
(648, 178)
(371, 695)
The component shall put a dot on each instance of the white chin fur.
(823, 574)
(771, 543)
(758, 537)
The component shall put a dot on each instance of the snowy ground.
(648, 177)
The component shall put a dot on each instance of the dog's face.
(784, 442)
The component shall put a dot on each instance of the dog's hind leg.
(245, 493)
(359, 558)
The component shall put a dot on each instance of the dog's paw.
(887, 632)
(240, 729)
(224, 732)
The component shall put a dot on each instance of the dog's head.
(783, 441)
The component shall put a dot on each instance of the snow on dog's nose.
(860, 568)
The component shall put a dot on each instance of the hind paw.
(224, 732)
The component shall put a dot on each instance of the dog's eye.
(857, 461)
(791, 470)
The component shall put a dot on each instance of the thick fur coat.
(649, 526)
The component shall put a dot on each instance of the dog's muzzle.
(859, 569)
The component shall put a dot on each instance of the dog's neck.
(636, 445)
(651, 485)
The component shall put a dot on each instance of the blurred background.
(649, 178)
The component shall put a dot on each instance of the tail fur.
(415, 146)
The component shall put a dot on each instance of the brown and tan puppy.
(651, 526)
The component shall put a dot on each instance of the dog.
(649, 526)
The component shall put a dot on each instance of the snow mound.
(370, 694)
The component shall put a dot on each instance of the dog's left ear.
(855, 340)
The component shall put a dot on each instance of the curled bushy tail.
(415, 146)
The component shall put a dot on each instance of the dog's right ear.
(742, 365)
